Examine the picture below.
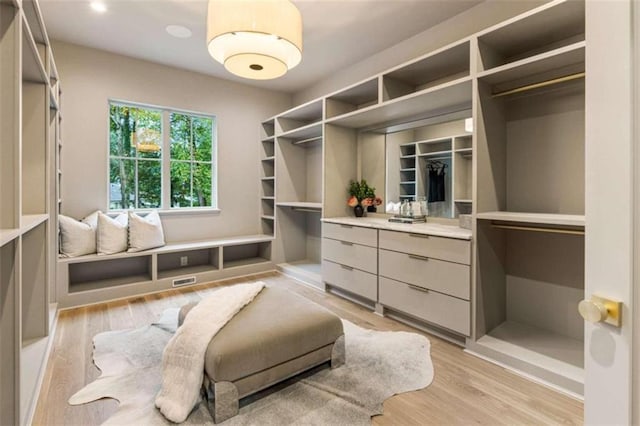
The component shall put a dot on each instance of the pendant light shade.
(146, 140)
(257, 39)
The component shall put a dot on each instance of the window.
(142, 175)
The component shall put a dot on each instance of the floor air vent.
(184, 281)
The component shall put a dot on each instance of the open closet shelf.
(53, 102)
(27, 223)
(539, 348)
(8, 235)
(353, 98)
(30, 221)
(539, 218)
(301, 121)
(445, 98)
(300, 204)
(305, 132)
(245, 262)
(553, 25)
(92, 285)
(306, 270)
(435, 153)
(32, 65)
(557, 59)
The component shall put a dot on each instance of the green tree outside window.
(136, 161)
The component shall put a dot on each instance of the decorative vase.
(372, 209)
(358, 210)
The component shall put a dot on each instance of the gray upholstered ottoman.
(278, 335)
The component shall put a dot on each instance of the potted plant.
(362, 195)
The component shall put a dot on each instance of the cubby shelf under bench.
(96, 278)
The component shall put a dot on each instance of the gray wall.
(90, 77)
(463, 25)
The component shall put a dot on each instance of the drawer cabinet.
(350, 254)
(423, 276)
(445, 311)
(353, 280)
(445, 277)
(449, 249)
(353, 234)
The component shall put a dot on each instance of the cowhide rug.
(378, 366)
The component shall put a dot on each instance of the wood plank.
(465, 390)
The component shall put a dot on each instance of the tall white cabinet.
(29, 122)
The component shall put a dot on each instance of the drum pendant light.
(256, 39)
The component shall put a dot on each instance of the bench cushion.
(276, 327)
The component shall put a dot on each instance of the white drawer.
(446, 277)
(442, 310)
(350, 254)
(354, 234)
(449, 249)
(352, 280)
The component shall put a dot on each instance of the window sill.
(173, 212)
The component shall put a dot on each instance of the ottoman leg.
(223, 404)
(338, 354)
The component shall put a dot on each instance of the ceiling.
(337, 33)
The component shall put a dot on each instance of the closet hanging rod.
(540, 84)
(540, 229)
(302, 209)
(303, 141)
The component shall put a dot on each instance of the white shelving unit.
(267, 178)
(530, 220)
(298, 201)
(28, 215)
(520, 172)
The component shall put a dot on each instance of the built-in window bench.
(97, 278)
(416, 273)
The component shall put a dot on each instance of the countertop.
(435, 229)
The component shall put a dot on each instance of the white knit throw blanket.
(183, 357)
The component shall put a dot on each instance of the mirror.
(431, 161)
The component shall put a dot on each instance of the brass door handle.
(600, 309)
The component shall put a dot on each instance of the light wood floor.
(465, 390)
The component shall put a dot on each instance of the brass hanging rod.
(540, 229)
(540, 84)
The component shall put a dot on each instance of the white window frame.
(165, 159)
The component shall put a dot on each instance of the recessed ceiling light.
(98, 6)
(179, 31)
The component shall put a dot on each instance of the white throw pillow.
(78, 238)
(145, 232)
(112, 234)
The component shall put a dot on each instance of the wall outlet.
(184, 260)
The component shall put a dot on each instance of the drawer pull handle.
(348, 268)
(419, 235)
(418, 288)
(413, 256)
(346, 243)
(346, 226)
